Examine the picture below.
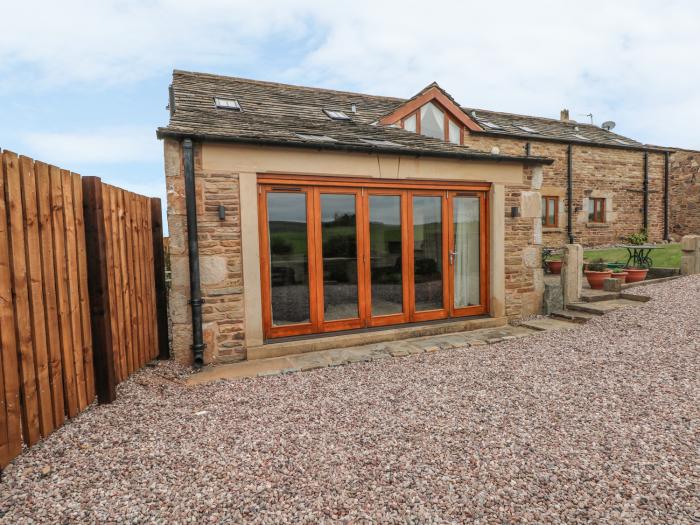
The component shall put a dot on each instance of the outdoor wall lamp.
(515, 211)
(222, 212)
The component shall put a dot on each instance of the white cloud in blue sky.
(84, 83)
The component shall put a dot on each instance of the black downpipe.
(645, 188)
(193, 249)
(570, 194)
(667, 168)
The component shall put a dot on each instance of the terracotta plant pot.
(595, 279)
(620, 275)
(634, 275)
(554, 267)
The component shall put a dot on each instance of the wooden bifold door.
(343, 254)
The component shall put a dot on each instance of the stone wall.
(685, 193)
(220, 259)
(615, 174)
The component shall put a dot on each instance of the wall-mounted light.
(515, 211)
(222, 212)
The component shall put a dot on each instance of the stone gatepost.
(572, 273)
(690, 257)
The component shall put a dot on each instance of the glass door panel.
(427, 252)
(466, 251)
(339, 253)
(385, 255)
(289, 261)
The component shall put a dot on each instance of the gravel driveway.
(597, 424)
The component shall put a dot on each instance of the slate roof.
(278, 114)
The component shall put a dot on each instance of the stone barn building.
(310, 216)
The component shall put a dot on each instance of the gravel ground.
(598, 424)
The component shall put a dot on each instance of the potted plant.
(634, 275)
(619, 273)
(596, 273)
(553, 266)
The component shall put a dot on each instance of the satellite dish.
(607, 125)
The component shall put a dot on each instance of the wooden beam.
(159, 272)
(98, 291)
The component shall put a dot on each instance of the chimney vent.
(564, 115)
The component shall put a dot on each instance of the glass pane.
(427, 252)
(385, 254)
(466, 253)
(591, 210)
(289, 267)
(409, 124)
(544, 210)
(454, 132)
(432, 121)
(551, 212)
(339, 238)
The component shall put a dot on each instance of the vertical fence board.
(10, 406)
(83, 287)
(109, 264)
(151, 298)
(117, 309)
(136, 279)
(70, 389)
(36, 295)
(23, 325)
(73, 293)
(123, 298)
(99, 288)
(53, 335)
(161, 294)
(130, 298)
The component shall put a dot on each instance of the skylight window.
(490, 124)
(336, 115)
(580, 137)
(526, 129)
(382, 143)
(316, 138)
(227, 103)
(620, 141)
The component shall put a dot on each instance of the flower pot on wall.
(634, 275)
(595, 279)
(554, 267)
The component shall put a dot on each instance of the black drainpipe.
(193, 248)
(570, 194)
(645, 187)
(667, 163)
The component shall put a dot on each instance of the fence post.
(159, 273)
(98, 291)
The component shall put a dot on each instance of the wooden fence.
(81, 306)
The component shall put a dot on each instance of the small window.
(596, 210)
(550, 212)
(227, 103)
(409, 123)
(581, 137)
(489, 124)
(454, 133)
(336, 115)
(316, 138)
(526, 129)
(432, 121)
(620, 141)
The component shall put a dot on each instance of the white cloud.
(112, 145)
(631, 61)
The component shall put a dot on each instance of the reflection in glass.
(432, 121)
(385, 254)
(289, 267)
(339, 238)
(427, 252)
(466, 252)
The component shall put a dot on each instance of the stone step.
(548, 323)
(602, 307)
(572, 315)
(593, 296)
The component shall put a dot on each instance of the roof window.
(382, 143)
(580, 137)
(315, 138)
(335, 114)
(620, 141)
(526, 129)
(227, 103)
(490, 124)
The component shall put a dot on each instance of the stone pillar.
(572, 273)
(690, 257)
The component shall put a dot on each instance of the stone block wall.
(220, 259)
(684, 193)
(615, 174)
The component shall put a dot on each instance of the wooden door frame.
(312, 187)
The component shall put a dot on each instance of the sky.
(83, 84)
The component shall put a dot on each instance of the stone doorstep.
(384, 335)
(342, 356)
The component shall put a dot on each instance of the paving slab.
(546, 324)
(602, 307)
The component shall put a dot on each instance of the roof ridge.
(282, 84)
